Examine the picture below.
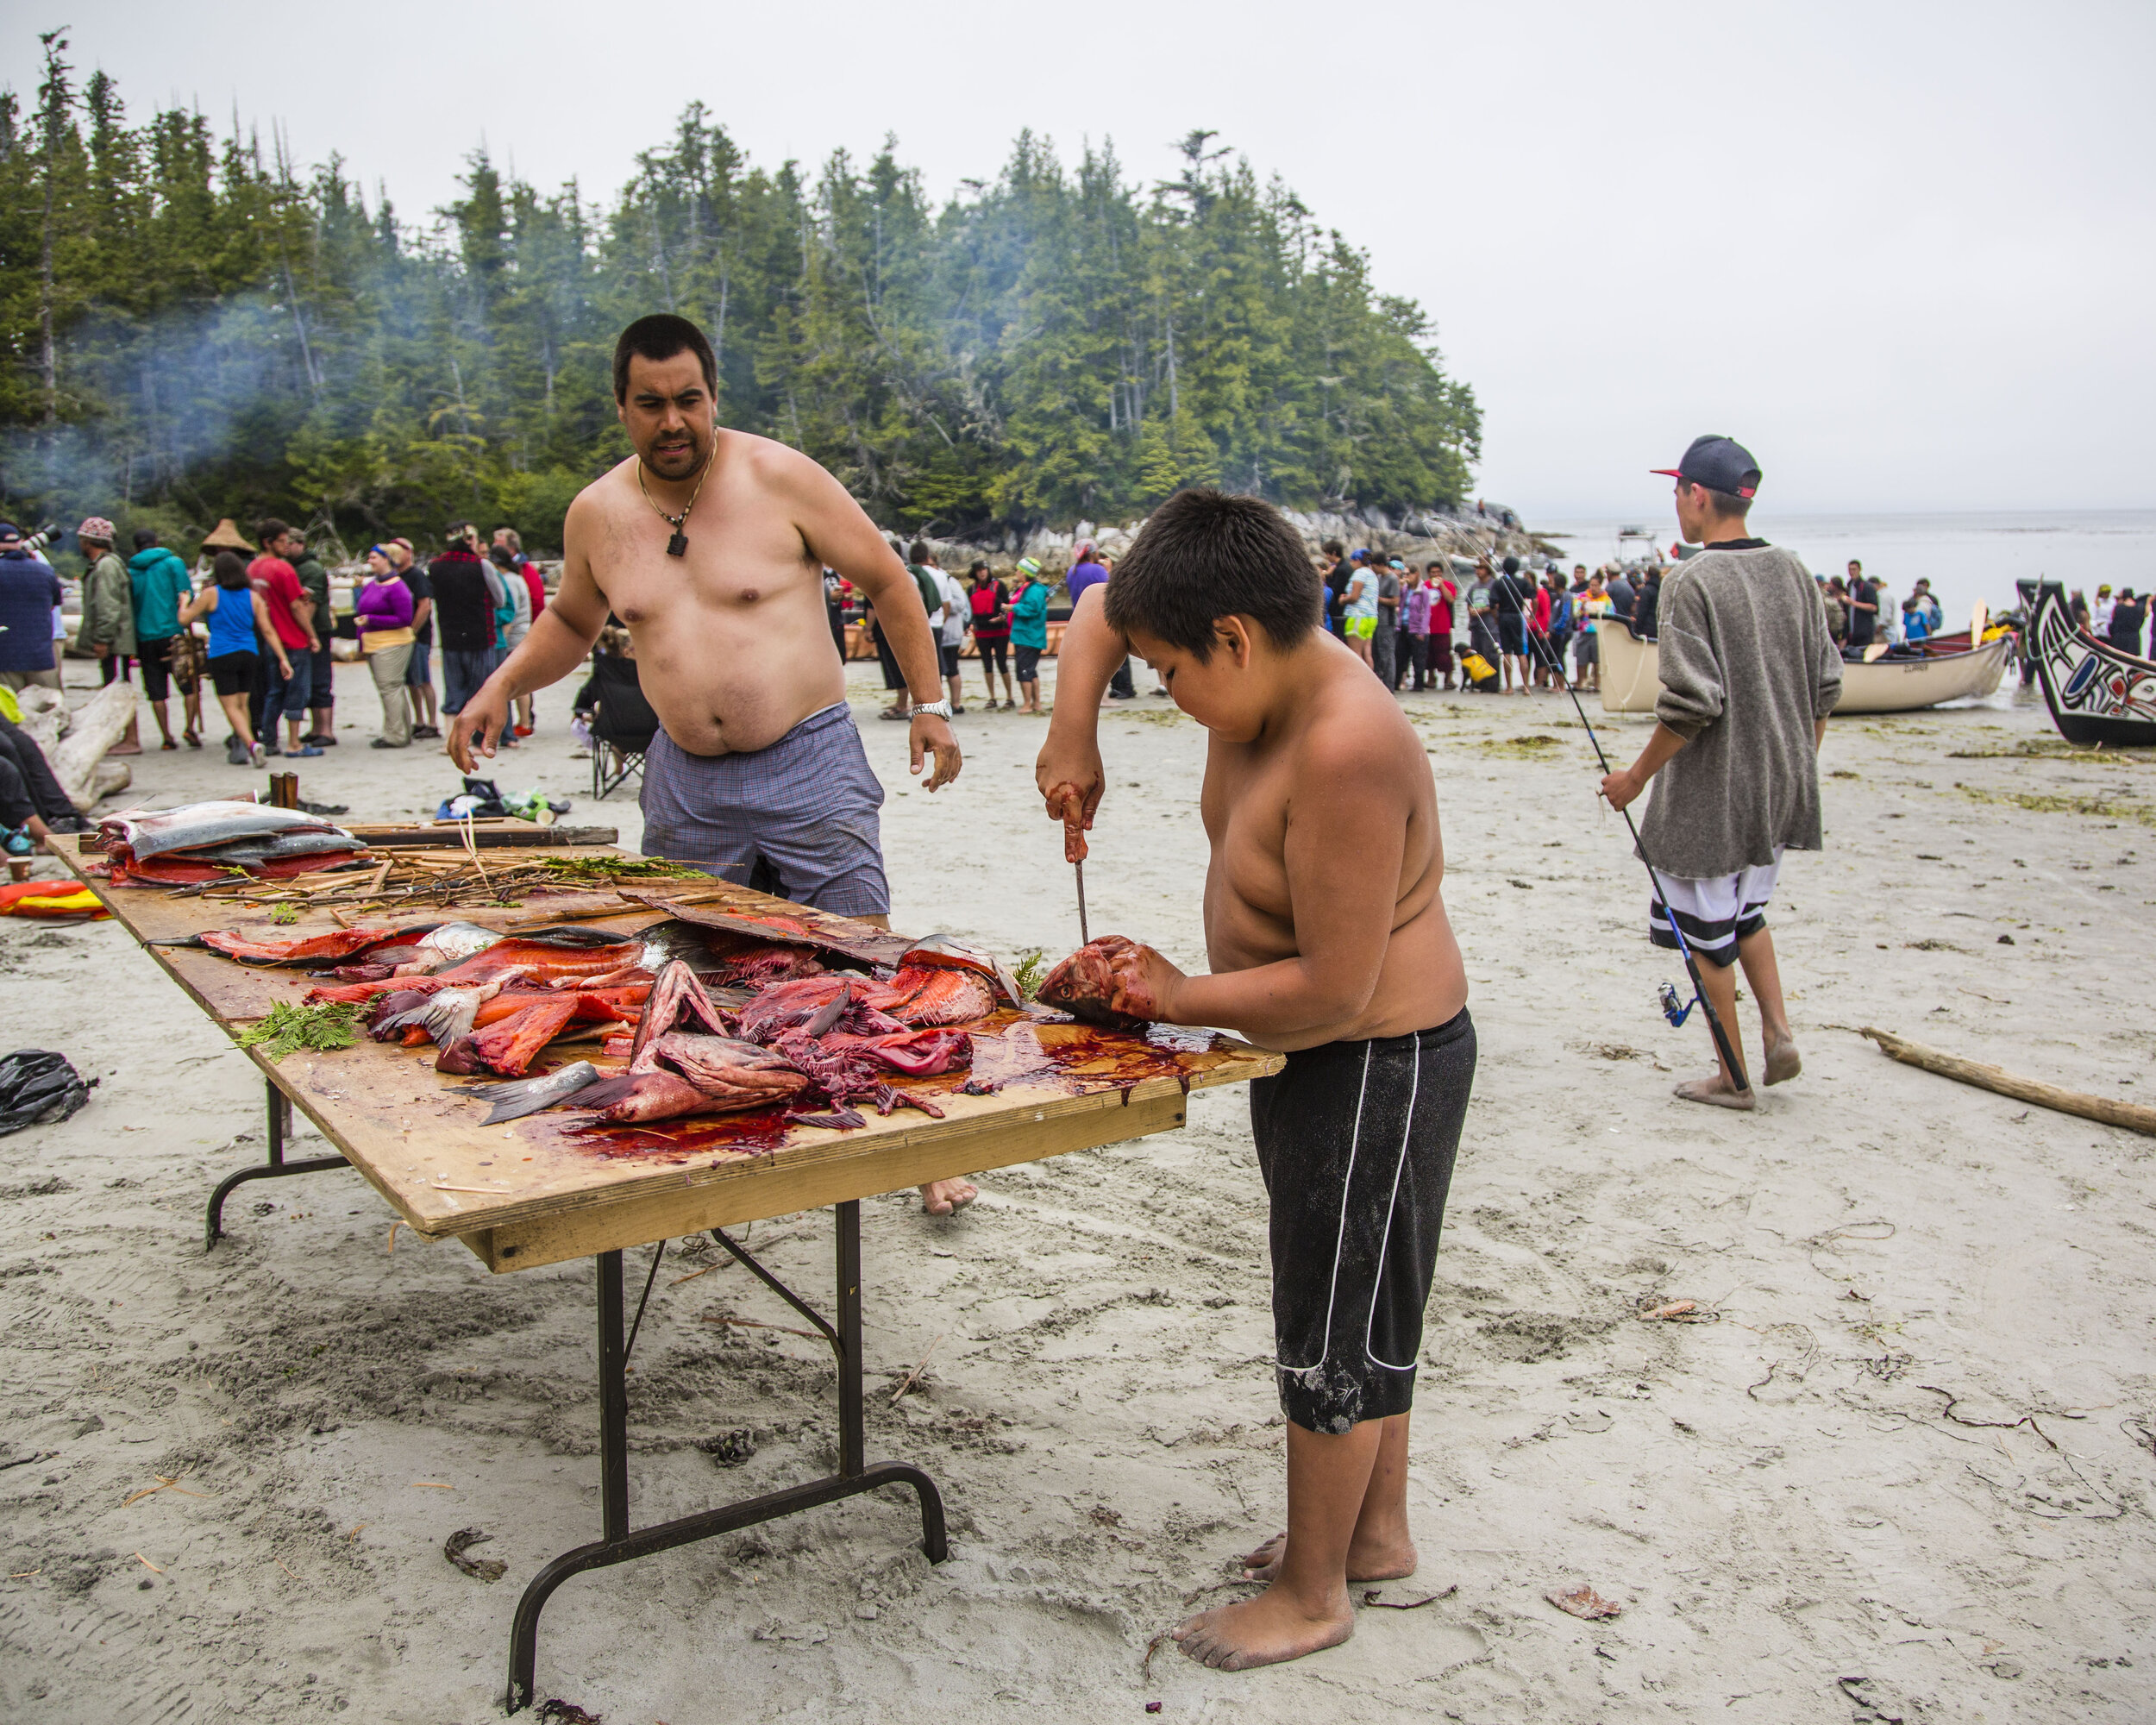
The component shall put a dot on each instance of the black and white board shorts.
(1715, 912)
(1356, 1142)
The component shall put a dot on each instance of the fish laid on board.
(925, 994)
(508, 1049)
(918, 1053)
(197, 826)
(540, 962)
(860, 943)
(312, 949)
(739, 1072)
(443, 1014)
(836, 1000)
(677, 1002)
(522, 1096)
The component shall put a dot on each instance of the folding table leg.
(280, 1125)
(617, 1544)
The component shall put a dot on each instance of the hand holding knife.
(1074, 814)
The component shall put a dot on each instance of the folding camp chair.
(623, 724)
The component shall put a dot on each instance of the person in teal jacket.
(1029, 630)
(161, 586)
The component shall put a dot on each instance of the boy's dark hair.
(1727, 502)
(661, 336)
(1512, 566)
(145, 537)
(919, 553)
(1206, 555)
(269, 530)
(1333, 547)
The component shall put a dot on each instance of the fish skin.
(719, 1066)
(522, 1096)
(942, 949)
(637, 1097)
(194, 825)
(342, 944)
(678, 1000)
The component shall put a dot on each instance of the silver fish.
(524, 1096)
(197, 825)
(272, 847)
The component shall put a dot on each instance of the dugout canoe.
(2096, 692)
(1632, 675)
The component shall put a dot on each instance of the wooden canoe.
(1632, 675)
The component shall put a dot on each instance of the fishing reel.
(1674, 1010)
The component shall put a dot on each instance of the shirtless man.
(710, 545)
(1328, 941)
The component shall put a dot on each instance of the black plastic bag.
(38, 1088)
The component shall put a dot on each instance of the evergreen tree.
(190, 328)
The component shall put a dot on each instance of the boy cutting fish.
(1328, 942)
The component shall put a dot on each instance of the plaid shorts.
(798, 820)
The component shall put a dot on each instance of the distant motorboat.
(2096, 692)
(1631, 673)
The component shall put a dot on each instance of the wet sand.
(1906, 1473)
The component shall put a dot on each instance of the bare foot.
(1374, 1561)
(1712, 1090)
(1783, 1063)
(1263, 1631)
(947, 1197)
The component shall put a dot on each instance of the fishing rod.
(1671, 1009)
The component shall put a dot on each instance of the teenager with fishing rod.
(1749, 675)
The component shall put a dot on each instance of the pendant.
(679, 545)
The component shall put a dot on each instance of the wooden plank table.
(542, 1189)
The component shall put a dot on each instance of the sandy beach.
(1904, 1474)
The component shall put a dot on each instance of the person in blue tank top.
(238, 622)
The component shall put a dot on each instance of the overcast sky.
(1902, 251)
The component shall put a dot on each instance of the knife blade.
(1078, 870)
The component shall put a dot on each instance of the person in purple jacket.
(1087, 570)
(383, 612)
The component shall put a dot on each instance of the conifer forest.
(194, 325)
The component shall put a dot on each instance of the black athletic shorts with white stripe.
(1356, 1142)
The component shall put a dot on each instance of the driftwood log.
(2134, 1116)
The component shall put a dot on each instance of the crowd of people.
(1497, 627)
(256, 622)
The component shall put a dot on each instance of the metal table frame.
(280, 1127)
(618, 1542)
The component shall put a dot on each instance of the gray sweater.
(1747, 668)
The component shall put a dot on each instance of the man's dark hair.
(1206, 555)
(919, 553)
(1726, 502)
(269, 530)
(1333, 547)
(1512, 566)
(145, 537)
(661, 336)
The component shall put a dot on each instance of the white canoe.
(1632, 676)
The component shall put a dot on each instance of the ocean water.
(1966, 557)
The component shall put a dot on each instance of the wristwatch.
(933, 709)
